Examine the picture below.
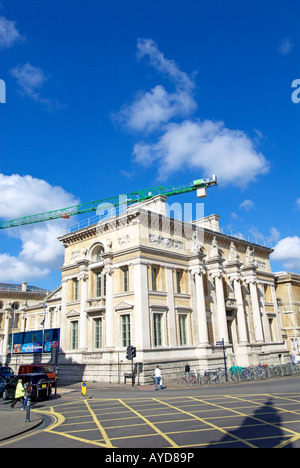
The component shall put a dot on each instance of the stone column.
(216, 271)
(83, 278)
(221, 309)
(109, 310)
(8, 316)
(256, 312)
(63, 312)
(141, 305)
(242, 328)
(278, 318)
(171, 305)
(201, 309)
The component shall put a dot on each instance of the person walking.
(19, 393)
(158, 379)
(27, 395)
(187, 370)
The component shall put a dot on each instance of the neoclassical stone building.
(288, 299)
(15, 300)
(169, 288)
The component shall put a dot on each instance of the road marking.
(158, 431)
(296, 435)
(105, 436)
(210, 424)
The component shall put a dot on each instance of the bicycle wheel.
(151, 380)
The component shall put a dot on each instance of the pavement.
(13, 420)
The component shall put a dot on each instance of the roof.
(18, 288)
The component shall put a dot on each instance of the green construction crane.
(114, 202)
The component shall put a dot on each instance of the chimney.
(24, 286)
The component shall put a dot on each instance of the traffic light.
(130, 352)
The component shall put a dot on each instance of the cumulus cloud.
(40, 251)
(206, 146)
(247, 205)
(150, 109)
(9, 33)
(287, 252)
(285, 46)
(31, 79)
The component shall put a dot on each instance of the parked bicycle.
(151, 379)
(190, 379)
(213, 377)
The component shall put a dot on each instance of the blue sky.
(106, 97)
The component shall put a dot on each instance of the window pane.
(75, 290)
(154, 278)
(125, 324)
(157, 321)
(98, 285)
(182, 319)
(125, 279)
(74, 335)
(98, 333)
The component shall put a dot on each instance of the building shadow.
(261, 429)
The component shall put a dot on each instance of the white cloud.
(287, 252)
(206, 146)
(150, 109)
(147, 47)
(286, 46)
(263, 239)
(31, 78)
(247, 205)
(9, 34)
(40, 250)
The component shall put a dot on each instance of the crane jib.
(107, 203)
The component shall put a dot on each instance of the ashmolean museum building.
(170, 288)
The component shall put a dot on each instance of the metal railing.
(237, 374)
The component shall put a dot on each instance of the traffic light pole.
(131, 353)
(132, 373)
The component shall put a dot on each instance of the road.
(264, 414)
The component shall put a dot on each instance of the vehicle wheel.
(5, 394)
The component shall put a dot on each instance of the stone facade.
(15, 300)
(171, 289)
(288, 298)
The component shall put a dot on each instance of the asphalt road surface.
(172, 422)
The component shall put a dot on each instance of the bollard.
(83, 388)
(28, 411)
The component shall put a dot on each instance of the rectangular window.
(182, 323)
(74, 335)
(125, 272)
(157, 329)
(154, 272)
(76, 290)
(271, 329)
(178, 281)
(98, 285)
(98, 333)
(125, 325)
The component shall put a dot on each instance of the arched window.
(97, 253)
(15, 306)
